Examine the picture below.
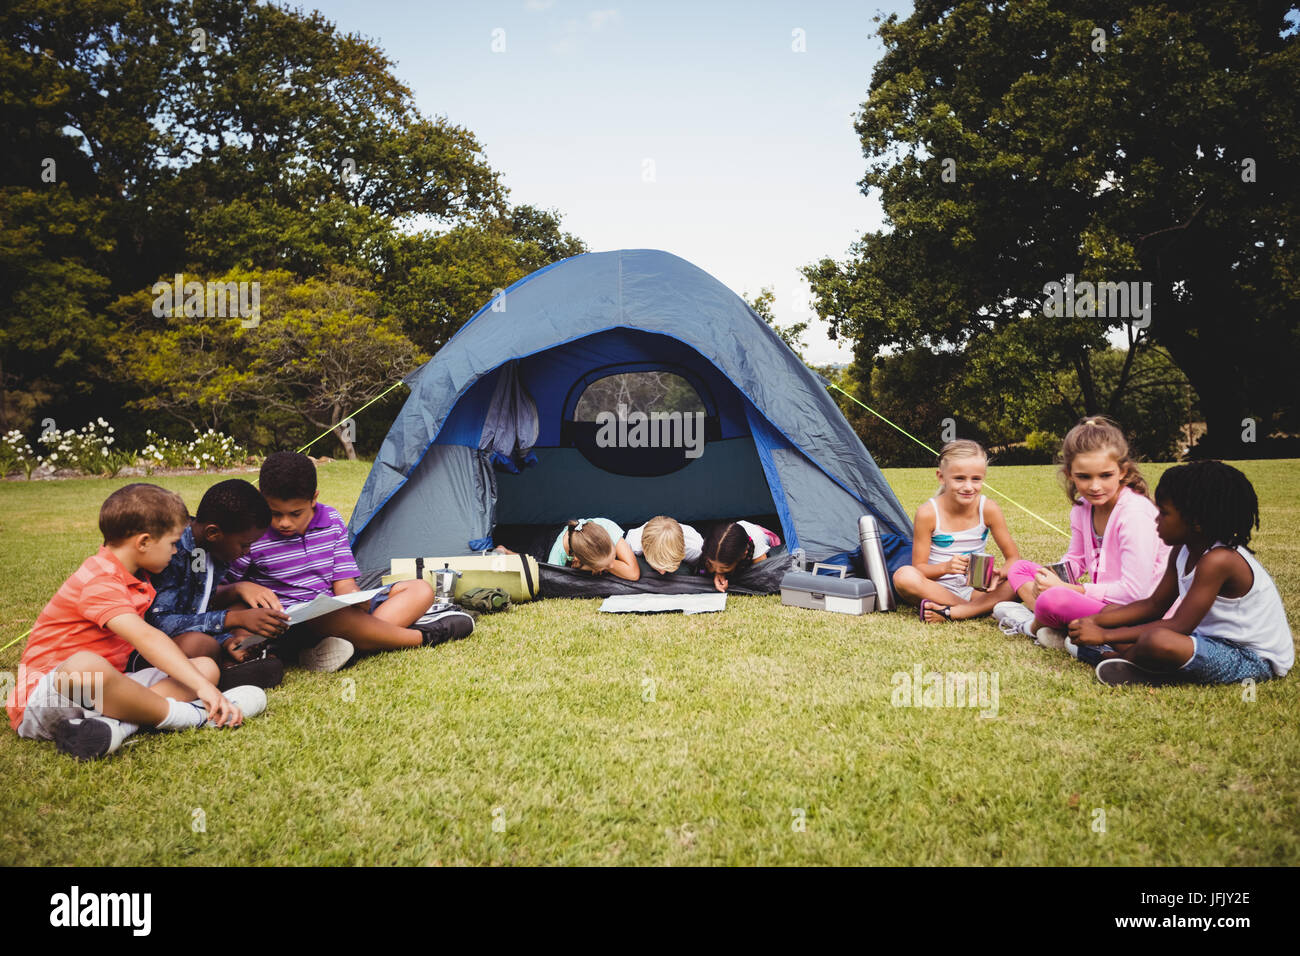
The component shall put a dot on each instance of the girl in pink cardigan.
(1112, 539)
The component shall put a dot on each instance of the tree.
(433, 282)
(1014, 145)
(318, 351)
(792, 334)
(146, 138)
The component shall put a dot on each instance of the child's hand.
(958, 564)
(262, 621)
(1085, 630)
(220, 711)
(1044, 579)
(254, 595)
(720, 582)
(232, 649)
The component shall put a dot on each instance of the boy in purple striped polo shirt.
(305, 554)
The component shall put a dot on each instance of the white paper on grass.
(326, 604)
(664, 603)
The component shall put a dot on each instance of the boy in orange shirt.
(71, 687)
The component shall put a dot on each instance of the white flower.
(104, 452)
(54, 457)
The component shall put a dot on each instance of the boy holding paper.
(305, 554)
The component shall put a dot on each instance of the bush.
(16, 453)
(206, 451)
(89, 450)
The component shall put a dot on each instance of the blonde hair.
(960, 448)
(589, 543)
(663, 543)
(1094, 434)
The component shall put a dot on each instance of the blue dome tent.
(496, 432)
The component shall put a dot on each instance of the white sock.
(182, 715)
(1069, 646)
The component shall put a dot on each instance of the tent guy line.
(936, 455)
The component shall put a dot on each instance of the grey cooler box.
(822, 592)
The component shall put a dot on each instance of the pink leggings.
(1055, 607)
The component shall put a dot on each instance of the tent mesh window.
(640, 423)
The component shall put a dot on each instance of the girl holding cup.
(1113, 540)
(950, 527)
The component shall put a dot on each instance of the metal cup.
(1063, 571)
(979, 573)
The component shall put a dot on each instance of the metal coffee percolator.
(444, 584)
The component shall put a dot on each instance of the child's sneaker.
(250, 700)
(1051, 638)
(330, 654)
(261, 672)
(1117, 672)
(1014, 619)
(88, 738)
(438, 627)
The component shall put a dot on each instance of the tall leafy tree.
(1013, 144)
(150, 137)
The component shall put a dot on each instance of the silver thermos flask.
(873, 559)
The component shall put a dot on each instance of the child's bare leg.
(914, 587)
(122, 697)
(406, 602)
(1160, 649)
(173, 688)
(982, 602)
(197, 644)
(367, 632)
(1028, 594)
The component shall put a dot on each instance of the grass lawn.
(763, 735)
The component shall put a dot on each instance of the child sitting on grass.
(1112, 539)
(209, 619)
(734, 546)
(595, 545)
(71, 687)
(305, 554)
(666, 543)
(1230, 625)
(935, 581)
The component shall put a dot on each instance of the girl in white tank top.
(949, 544)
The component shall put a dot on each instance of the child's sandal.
(943, 610)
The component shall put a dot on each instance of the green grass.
(757, 713)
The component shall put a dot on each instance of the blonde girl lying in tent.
(595, 545)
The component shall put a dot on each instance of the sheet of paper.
(664, 603)
(326, 604)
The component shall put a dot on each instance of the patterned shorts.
(1217, 661)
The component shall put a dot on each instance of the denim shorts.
(1217, 661)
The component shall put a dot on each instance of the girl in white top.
(951, 526)
(1229, 625)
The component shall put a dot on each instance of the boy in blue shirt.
(204, 617)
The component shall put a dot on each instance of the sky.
(721, 132)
